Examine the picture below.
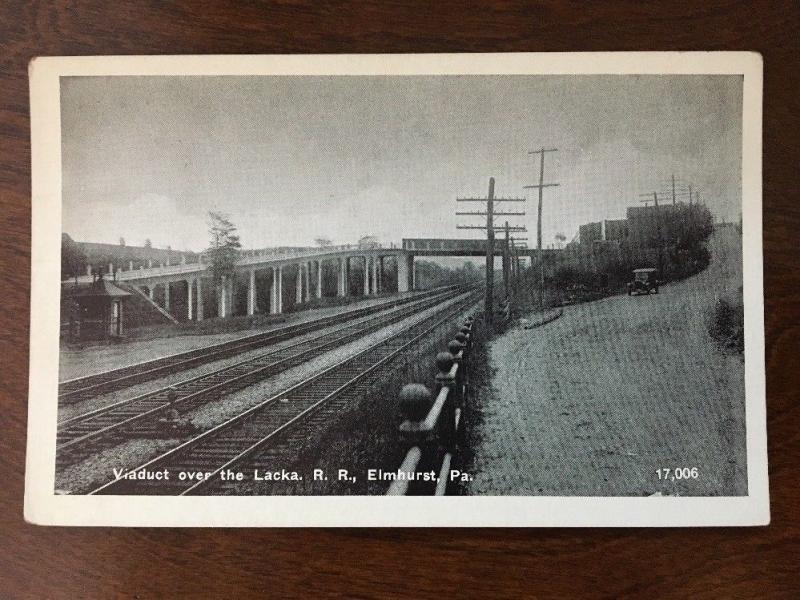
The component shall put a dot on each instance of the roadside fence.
(432, 431)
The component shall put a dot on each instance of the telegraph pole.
(490, 227)
(489, 253)
(658, 232)
(507, 262)
(541, 187)
(673, 190)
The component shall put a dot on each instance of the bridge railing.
(278, 253)
(432, 431)
(246, 257)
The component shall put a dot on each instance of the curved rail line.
(80, 436)
(75, 390)
(239, 437)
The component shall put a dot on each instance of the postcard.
(397, 290)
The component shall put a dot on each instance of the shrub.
(726, 324)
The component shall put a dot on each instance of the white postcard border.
(42, 506)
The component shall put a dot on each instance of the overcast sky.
(295, 158)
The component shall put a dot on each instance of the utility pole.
(488, 300)
(490, 227)
(673, 190)
(658, 233)
(507, 263)
(541, 187)
(511, 255)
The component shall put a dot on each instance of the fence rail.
(432, 431)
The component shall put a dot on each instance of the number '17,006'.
(678, 473)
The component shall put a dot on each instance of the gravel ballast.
(91, 472)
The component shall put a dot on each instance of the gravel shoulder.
(594, 402)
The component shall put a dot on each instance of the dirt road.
(598, 400)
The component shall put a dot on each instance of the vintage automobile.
(644, 282)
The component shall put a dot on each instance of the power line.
(496, 228)
(496, 214)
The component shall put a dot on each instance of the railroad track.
(82, 388)
(90, 432)
(238, 438)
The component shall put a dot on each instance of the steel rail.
(246, 416)
(81, 388)
(306, 412)
(214, 383)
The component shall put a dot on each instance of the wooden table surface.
(147, 563)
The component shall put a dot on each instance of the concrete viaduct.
(306, 264)
(270, 265)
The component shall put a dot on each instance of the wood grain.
(146, 563)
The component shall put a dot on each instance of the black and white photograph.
(379, 281)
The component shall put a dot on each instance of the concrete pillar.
(110, 269)
(130, 265)
(166, 296)
(151, 291)
(366, 275)
(344, 276)
(412, 267)
(403, 276)
(273, 292)
(189, 306)
(374, 275)
(229, 292)
(380, 274)
(307, 288)
(225, 308)
(199, 298)
(222, 305)
(298, 286)
(251, 293)
(339, 278)
(279, 296)
(319, 279)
